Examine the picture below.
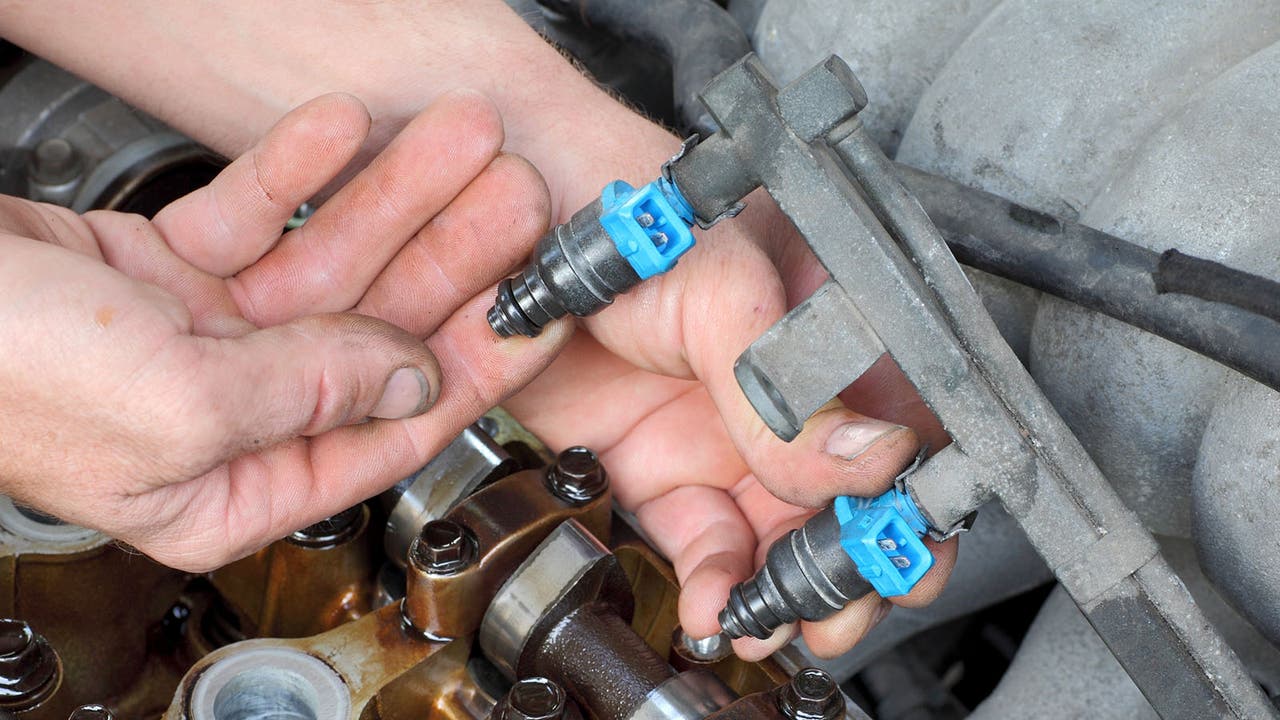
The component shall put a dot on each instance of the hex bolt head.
(444, 547)
(29, 668)
(331, 531)
(811, 695)
(577, 476)
(91, 712)
(535, 698)
(54, 162)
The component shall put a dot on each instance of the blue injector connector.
(882, 536)
(650, 227)
(627, 235)
(855, 546)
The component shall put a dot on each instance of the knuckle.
(524, 191)
(480, 116)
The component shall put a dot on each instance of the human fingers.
(710, 545)
(698, 320)
(328, 264)
(213, 399)
(464, 249)
(260, 497)
(227, 225)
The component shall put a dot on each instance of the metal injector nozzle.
(853, 547)
(608, 247)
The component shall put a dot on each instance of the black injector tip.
(807, 575)
(506, 318)
(739, 619)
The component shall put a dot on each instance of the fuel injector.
(625, 236)
(855, 546)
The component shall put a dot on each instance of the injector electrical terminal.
(856, 546)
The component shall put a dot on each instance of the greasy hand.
(187, 386)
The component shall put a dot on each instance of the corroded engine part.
(1154, 122)
(72, 144)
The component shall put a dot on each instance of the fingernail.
(851, 439)
(407, 394)
(885, 608)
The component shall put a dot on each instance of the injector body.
(853, 547)
(608, 247)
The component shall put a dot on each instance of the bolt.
(535, 698)
(444, 547)
(577, 476)
(54, 162)
(331, 531)
(91, 712)
(29, 668)
(811, 695)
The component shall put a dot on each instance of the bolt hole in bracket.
(895, 287)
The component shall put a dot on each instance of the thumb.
(302, 378)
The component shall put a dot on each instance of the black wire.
(1224, 314)
(1209, 280)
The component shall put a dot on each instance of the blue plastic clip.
(649, 225)
(882, 536)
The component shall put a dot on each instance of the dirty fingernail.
(407, 394)
(851, 439)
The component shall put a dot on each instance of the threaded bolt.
(331, 531)
(535, 698)
(54, 162)
(91, 712)
(29, 668)
(577, 476)
(444, 547)
(811, 695)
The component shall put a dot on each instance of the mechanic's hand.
(172, 384)
(652, 388)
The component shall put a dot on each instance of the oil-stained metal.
(535, 698)
(577, 475)
(29, 667)
(508, 519)
(562, 615)
(812, 694)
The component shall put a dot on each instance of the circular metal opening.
(35, 515)
(269, 683)
(266, 695)
(708, 649)
(38, 529)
